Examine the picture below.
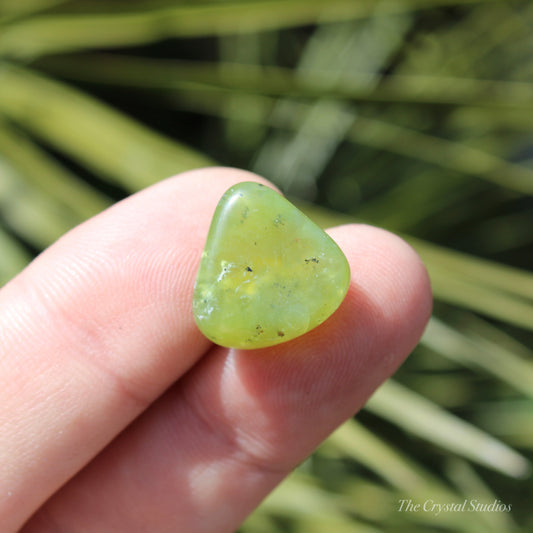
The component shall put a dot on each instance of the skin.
(116, 414)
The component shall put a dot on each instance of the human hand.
(117, 415)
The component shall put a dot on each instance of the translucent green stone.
(268, 274)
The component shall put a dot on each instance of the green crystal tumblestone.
(268, 274)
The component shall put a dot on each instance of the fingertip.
(390, 291)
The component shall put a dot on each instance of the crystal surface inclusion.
(268, 274)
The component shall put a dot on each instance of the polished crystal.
(268, 274)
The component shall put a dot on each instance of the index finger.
(95, 329)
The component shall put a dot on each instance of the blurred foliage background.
(414, 115)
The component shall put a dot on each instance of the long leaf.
(476, 270)
(168, 75)
(33, 216)
(420, 416)
(479, 352)
(103, 139)
(45, 174)
(404, 473)
(444, 153)
(13, 257)
(450, 155)
(67, 32)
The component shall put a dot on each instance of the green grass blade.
(354, 441)
(511, 420)
(456, 290)
(361, 445)
(315, 508)
(278, 81)
(302, 155)
(383, 135)
(41, 172)
(106, 141)
(13, 257)
(10, 9)
(476, 490)
(468, 349)
(447, 154)
(419, 416)
(476, 270)
(33, 216)
(66, 32)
